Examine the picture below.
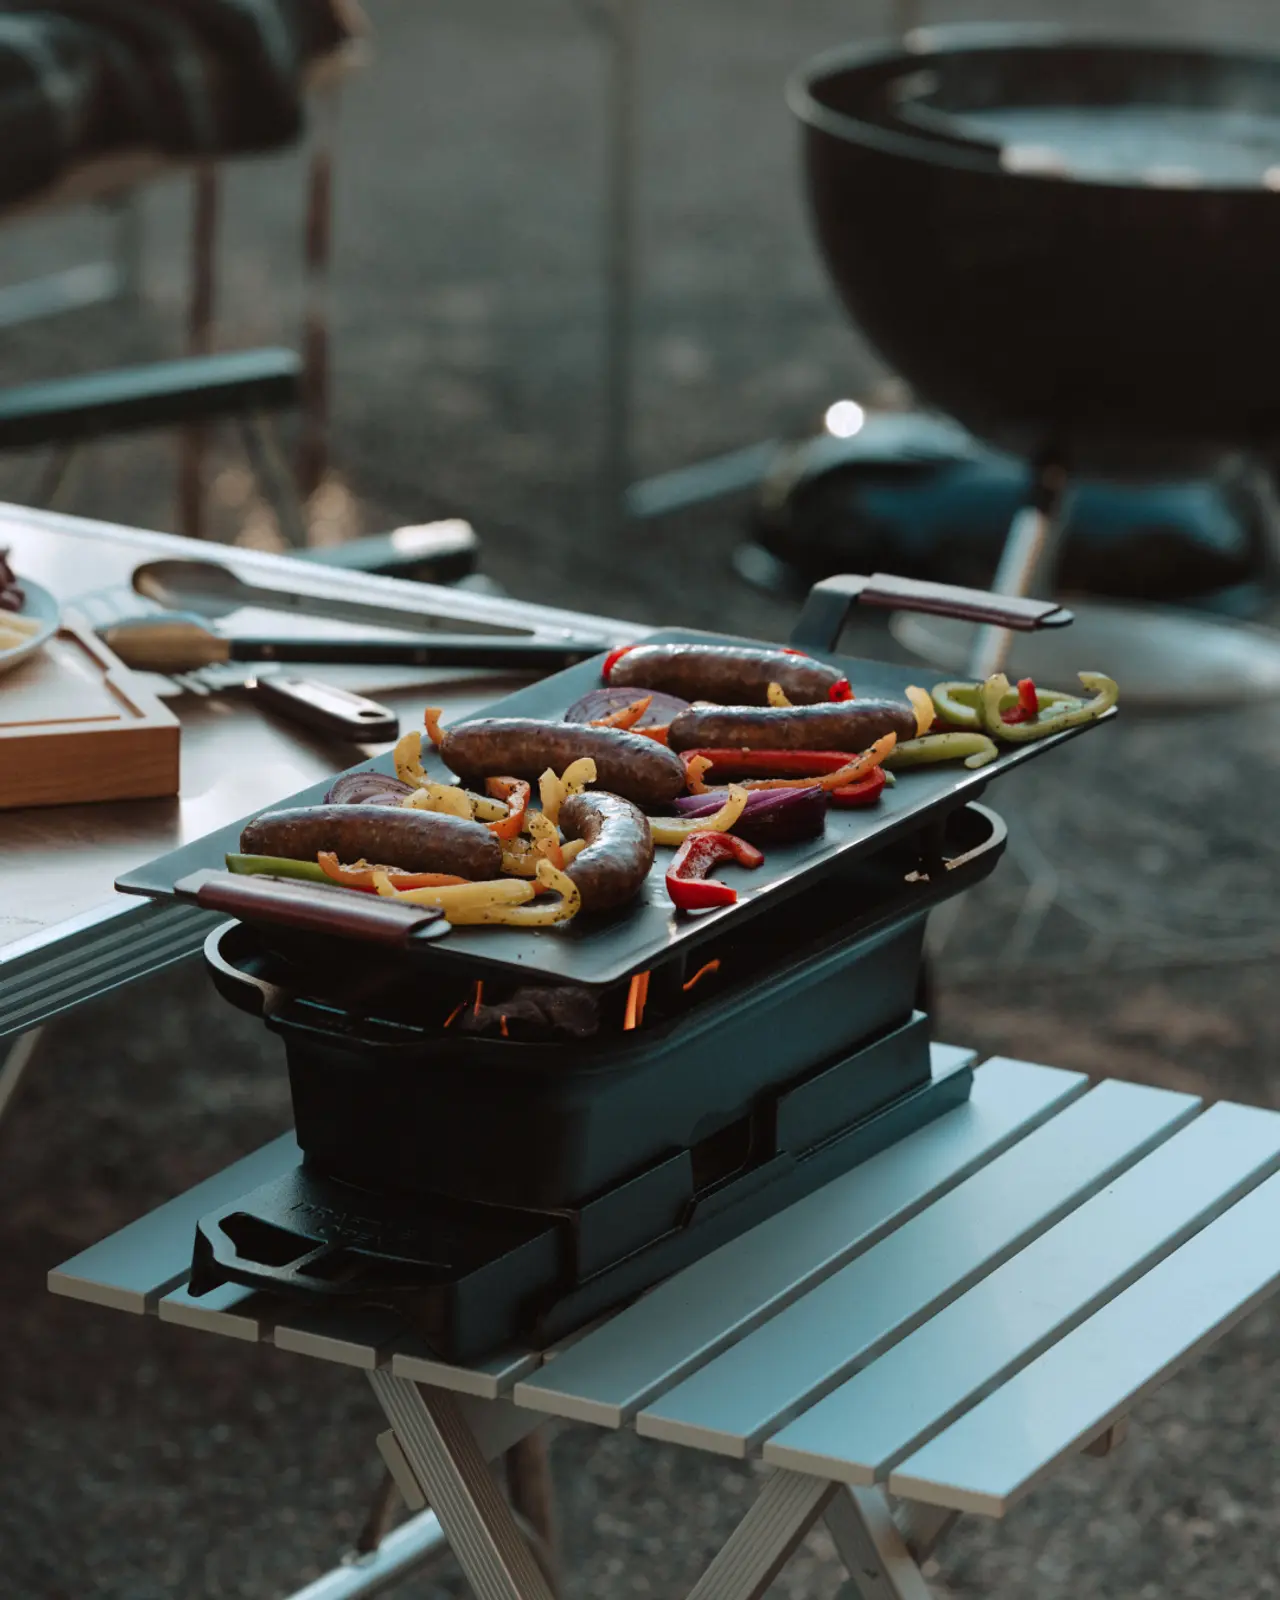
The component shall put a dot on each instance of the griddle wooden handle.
(827, 609)
(312, 908)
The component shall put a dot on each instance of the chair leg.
(58, 478)
(200, 315)
(274, 478)
(313, 454)
(125, 212)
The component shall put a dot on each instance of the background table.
(948, 1324)
(65, 935)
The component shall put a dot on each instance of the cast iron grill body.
(490, 1187)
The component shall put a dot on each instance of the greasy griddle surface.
(603, 949)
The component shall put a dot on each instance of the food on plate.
(15, 630)
(974, 749)
(665, 830)
(851, 725)
(770, 816)
(617, 852)
(823, 769)
(572, 810)
(416, 841)
(503, 902)
(602, 704)
(367, 789)
(11, 595)
(687, 883)
(628, 764)
(1039, 725)
(729, 674)
(1015, 715)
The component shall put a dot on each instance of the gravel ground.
(142, 1461)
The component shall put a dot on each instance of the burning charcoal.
(534, 1014)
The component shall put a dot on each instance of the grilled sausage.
(619, 850)
(845, 725)
(731, 675)
(628, 764)
(387, 836)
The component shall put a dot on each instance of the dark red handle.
(826, 610)
(312, 908)
(967, 605)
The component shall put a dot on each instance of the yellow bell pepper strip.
(360, 875)
(923, 707)
(515, 791)
(669, 830)
(276, 867)
(503, 902)
(553, 791)
(687, 883)
(407, 757)
(974, 749)
(777, 697)
(546, 838)
(1104, 691)
(431, 721)
(626, 717)
(443, 797)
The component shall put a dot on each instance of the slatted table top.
(952, 1319)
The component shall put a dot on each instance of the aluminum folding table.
(945, 1325)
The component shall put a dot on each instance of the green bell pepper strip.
(976, 749)
(278, 867)
(1105, 692)
(960, 704)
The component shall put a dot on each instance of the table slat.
(917, 1388)
(230, 1310)
(132, 1269)
(805, 1351)
(999, 1451)
(685, 1321)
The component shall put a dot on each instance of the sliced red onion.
(367, 789)
(604, 702)
(771, 816)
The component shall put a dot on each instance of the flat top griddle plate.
(604, 949)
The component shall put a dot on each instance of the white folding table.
(934, 1333)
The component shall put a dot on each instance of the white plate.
(41, 605)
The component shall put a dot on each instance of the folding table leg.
(460, 1488)
(872, 1547)
(764, 1541)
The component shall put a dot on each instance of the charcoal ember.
(532, 1014)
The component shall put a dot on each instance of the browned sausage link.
(388, 836)
(619, 848)
(845, 725)
(628, 764)
(731, 675)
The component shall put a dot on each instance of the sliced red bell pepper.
(612, 659)
(863, 793)
(1028, 706)
(360, 876)
(841, 690)
(687, 884)
(515, 791)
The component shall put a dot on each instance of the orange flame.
(711, 966)
(637, 995)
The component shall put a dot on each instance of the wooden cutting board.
(77, 725)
